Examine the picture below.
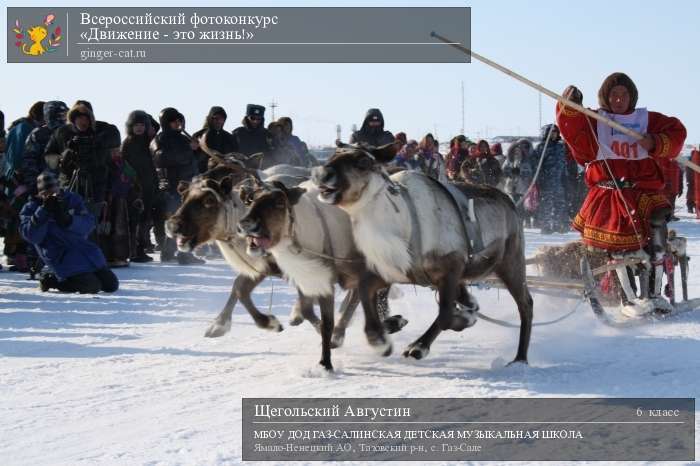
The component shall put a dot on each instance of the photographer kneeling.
(57, 224)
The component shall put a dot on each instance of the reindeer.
(209, 211)
(312, 244)
(411, 229)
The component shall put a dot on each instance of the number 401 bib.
(613, 144)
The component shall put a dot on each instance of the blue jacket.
(65, 251)
(552, 176)
(16, 138)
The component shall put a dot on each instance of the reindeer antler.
(230, 159)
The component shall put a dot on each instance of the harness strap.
(416, 240)
(470, 227)
(328, 251)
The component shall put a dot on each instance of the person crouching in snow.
(626, 209)
(57, 223)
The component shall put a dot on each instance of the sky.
(553, 43)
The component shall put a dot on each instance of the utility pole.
(273, 106)
(461, 130)
(338, 132)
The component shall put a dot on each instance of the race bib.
(613, 144)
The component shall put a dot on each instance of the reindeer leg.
(265, 321)
(370, 284)
(421, 347)
(513, 276)
(327, 315)
(347, 310)
(306, 309)
(222, 323)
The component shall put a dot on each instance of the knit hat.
(617, 79)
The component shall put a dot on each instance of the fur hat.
(167, 116)
(255, 110)
(617, 79)
(81, 109)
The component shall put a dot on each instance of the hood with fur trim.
(81, 109)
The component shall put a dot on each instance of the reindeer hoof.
(337, 339)
(518, 361)
(327, 366)
(295, 317)
(394, 323)
(462, 321)
(416, 351)
(273, 324)
(381, 344)
(217, 329)
(296, 320)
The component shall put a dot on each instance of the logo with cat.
(40, 39)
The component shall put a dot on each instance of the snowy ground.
(129, 378)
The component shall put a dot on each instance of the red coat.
(673, 178)
(695, 158)
(611, 219)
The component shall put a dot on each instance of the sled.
(593, 284)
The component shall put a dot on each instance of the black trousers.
(91, 283)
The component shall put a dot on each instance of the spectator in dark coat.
(553, 209)
(174, 156)
(252, 137)
(57, 223)
(372, 131)
(136, 153)
(84, 155)
(217, 137)
(36, 159)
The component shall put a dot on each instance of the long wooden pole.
(554, 95)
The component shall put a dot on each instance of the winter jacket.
(402, 160)
(15, 146)
(373, 136)
(454, 160)
(34, 150)
(137, 154)
(173, 158)
(65, 251)
(517, 173)
(690, 188)
(87, 152)
(218, 140)
(491, 170)
(432, 164)
(554, 166)
(248, 140)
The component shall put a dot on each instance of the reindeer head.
(201, 216)
(270, 214)
(344, 179)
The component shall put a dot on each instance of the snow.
(129, 378)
